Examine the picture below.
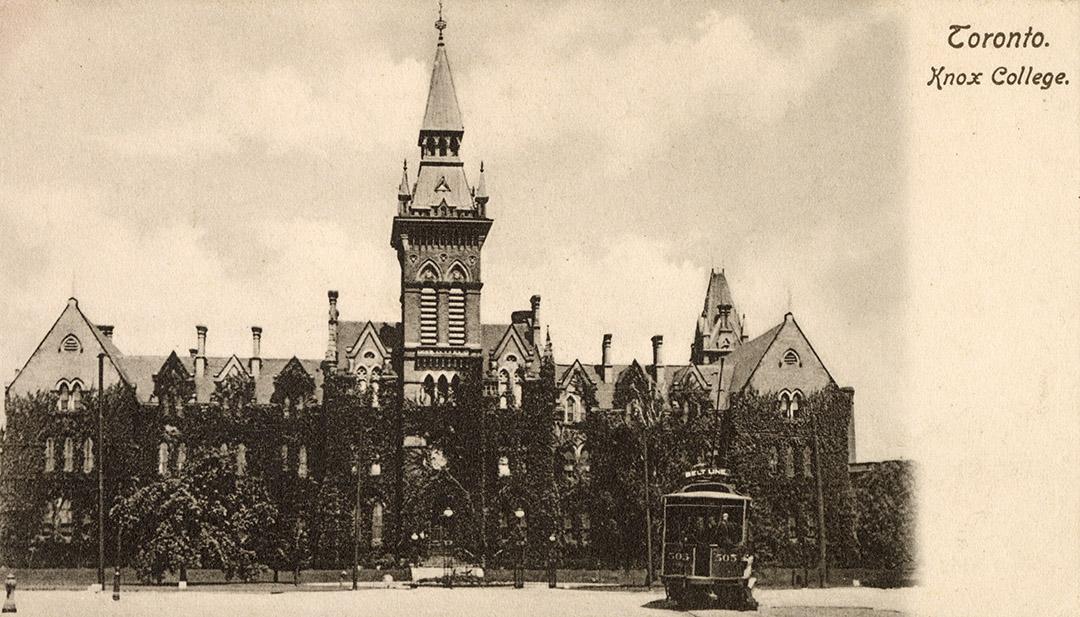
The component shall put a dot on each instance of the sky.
(227, 163)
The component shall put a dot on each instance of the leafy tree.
(885, 515)
(206, 516)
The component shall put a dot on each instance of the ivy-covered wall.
(305, 463)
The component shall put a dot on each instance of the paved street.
(534, 601)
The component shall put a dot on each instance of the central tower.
(438, 233)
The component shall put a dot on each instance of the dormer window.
(71, 344)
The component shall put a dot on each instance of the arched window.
(568, 410)
(181, 457)
(376, 525)
(504, 389)
(71, 344)
(455, 387)
(241, 460)
(455, 313)
(163, 458)
(429, 320)
(429, 390)
(64, 395)
(444, 389)
(301, 464)
(75, 402)
(361, 379)
(785, 404)
(88, 455)
(504, 467)
(791, 358)
(796, 404)
(376, 375)
(789, 463)
(69, 454)
(50, 454)
(774, 458)
(807, 462)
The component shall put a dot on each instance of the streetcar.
(706, 558)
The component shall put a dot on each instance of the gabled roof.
(442, 112)
(575, 369)
(368, 331)
(232, 363)
(111, 352)
(350, 332)
(746, 358)
(511, 334)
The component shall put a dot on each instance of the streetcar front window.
(709, 525)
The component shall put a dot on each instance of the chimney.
(742, 326)
(607, 369)
(658, 360)
(193, 352)
(256, 351)
(535, 302)
(331, 345)
(107, 331)
(200, 352)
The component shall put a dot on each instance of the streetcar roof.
(693, 495)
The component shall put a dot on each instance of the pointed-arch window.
(376, 375)
(504, 388)
(791, 358)
(88, 455)
(302, 463)
(75, 402)
(241, 460)
(361, 379)
(69, 454)
(376, 525)
(163, 458)
(444, 389)
(50, 454)
(774, 458)
(789, 463)
(181, 457)
(429, 316)
(796, 406)
(428, 395)
(568, 410)
(64, 396)
(785, 404)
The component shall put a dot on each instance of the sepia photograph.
(539, 308)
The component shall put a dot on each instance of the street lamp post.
(552, 582)
(448, 557)
(519, 571)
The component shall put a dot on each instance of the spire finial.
(440, 24)
(481, 166)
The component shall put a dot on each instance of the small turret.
(404, 194)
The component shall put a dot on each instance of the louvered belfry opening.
(456, 315)
(429, 316)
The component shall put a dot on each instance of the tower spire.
(440, 24)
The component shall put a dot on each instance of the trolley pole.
(822, 560)
(101, 471)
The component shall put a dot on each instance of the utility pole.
(822, 562)
(356, 525)
(648, 518)
(101, 471)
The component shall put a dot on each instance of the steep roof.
(746, 357)
(442, 112)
